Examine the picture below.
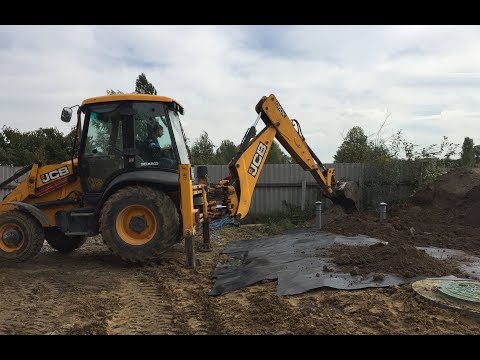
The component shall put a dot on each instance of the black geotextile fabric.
(298, 259)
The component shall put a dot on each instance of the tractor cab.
(122, 181)
(124, 133)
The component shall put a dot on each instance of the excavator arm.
(231, 197)
(247, 164)
(289, 134)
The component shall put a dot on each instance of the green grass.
(276, 223)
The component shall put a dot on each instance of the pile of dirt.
(445, 214)
(404, 260)
(454, 196)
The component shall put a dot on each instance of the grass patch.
(276, 223)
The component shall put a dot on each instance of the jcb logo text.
(54, 174)
(257, 159)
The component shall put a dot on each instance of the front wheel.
(139, 223)
(63, 243)
(21, 236)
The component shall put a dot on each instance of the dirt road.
(91, 292)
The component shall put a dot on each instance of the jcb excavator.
(135, 186)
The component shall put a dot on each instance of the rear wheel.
(21, 236)
(139, 223)
(63, 243)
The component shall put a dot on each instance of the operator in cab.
(152, 139)
(158, 156)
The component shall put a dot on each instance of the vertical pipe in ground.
(383, 210)
(318, 214)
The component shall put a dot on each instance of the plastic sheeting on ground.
(300, 262)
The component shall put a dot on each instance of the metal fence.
(281, 184)
(5, 173)
(289, 183)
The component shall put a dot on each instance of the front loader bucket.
(347, 195)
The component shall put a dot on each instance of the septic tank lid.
(461, 295)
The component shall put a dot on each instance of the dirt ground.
(92, 292)
(446, 214)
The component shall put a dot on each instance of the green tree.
(354, 148)
(276, 155)
(467, 157)
(476, 149)
(225, 152)
(202, 150)
(46, 145)
(143, 86)
(402, 149)
(379, 152)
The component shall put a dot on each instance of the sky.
(421, 79)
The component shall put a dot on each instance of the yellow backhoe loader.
(129, 179)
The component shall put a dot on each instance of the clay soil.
(92, 292)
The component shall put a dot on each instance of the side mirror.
(66, 114)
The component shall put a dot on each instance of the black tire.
(139, 223)
(63, 243)
(21, 236)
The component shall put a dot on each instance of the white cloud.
(330, 78)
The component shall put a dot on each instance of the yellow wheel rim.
(136, 225)
(5, 229)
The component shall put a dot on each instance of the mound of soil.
(404, 260)
(455, 197)
(445, 214)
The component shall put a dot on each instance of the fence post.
(361, 185)
(304, 192)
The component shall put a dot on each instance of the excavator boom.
(246, 166)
